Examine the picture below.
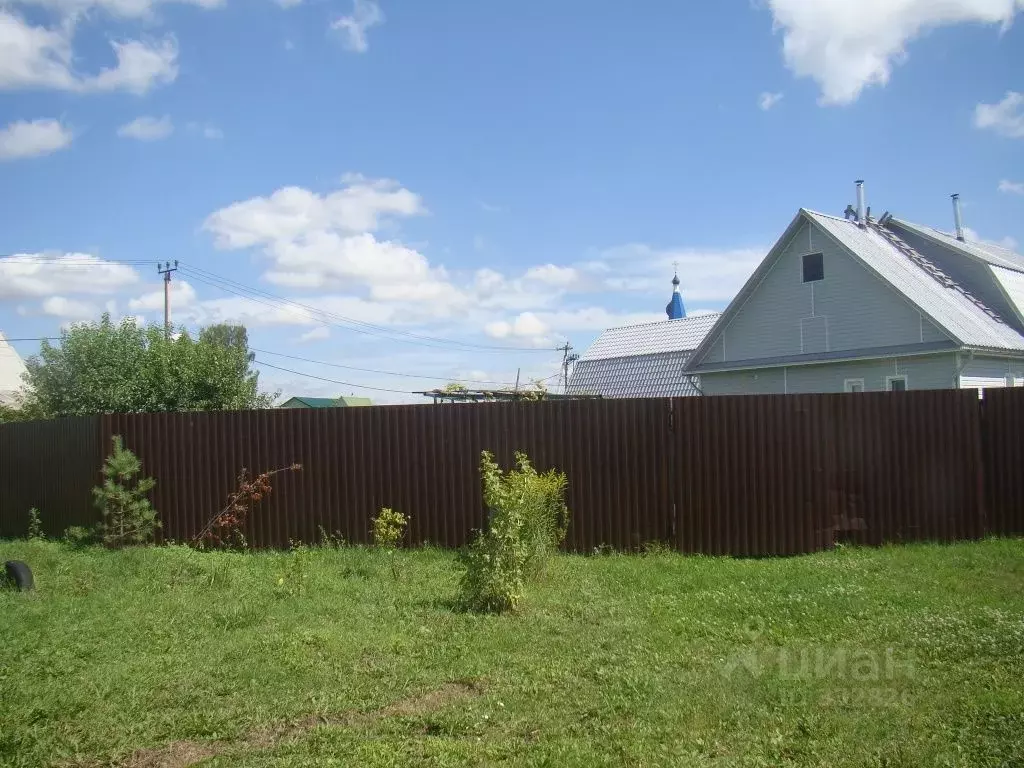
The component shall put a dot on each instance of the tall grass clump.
(527, 522)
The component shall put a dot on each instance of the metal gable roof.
(655, 375)
(989, 253)
(681, 335)
(964, 320)
(1012, 284)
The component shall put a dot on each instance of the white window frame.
(848, 385)
(890, 379)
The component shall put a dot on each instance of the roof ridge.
(663, 322)
(825, 215)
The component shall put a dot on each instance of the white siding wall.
(992, 370)
(851, 308)
(923, 372)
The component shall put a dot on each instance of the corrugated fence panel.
(51, 466)
(749, 476)
(907, 467)
(1003, 451)
(746, 476)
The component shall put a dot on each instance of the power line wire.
(363, 326)
(375, 370)
(334, 381)
(248, 292)
(339, 365)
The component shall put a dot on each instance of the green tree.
(123, 500)
(125, 367)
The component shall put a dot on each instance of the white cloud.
(120, 8)
(1011, 187)
(706, 276)
(328, 241)
(317, 334)
(147, 128)
(206, 130)
(847, 46)
(291, 213)
(37, 275)
(768, 100)
(331, 241)
(1006, 242)
(525, 325)
(31, 139)
(183, 296)
(69, 309)
(538, 328)
(365, 14)
(1005, 118)
(257, 313)
(42, 58)
(551, 274)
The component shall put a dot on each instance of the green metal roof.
(351, 401)
(309, 402)
(346, 401)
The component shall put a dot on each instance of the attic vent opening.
(814, 267)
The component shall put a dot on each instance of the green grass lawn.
(907, 656)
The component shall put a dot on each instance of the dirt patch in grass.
(181, 754)
(177, 754)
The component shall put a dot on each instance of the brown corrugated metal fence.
(745, 476)
(1003, 452)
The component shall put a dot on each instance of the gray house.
(857, 304)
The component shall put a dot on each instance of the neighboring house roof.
(659, 375)
(645, 360)
(11, 370)
(967, 321)
(310, 402)
(651, 338)
(350, 401)
(346, 401)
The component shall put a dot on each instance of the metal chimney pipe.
(861, 214)
(958, 218)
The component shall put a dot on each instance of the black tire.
(19, 575)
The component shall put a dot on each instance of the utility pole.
(167, 270)
(567, 359)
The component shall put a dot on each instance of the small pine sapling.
(128, 516)
(35, 525)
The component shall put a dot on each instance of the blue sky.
(472, 183)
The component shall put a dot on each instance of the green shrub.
(128, 516)
(389, 528)
(527, 521)
(35, 525)
(80, 536)
(292, 574)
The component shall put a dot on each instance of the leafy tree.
(125, 367)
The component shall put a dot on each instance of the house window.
(896, 383)
(814, 267)
(853, 385)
